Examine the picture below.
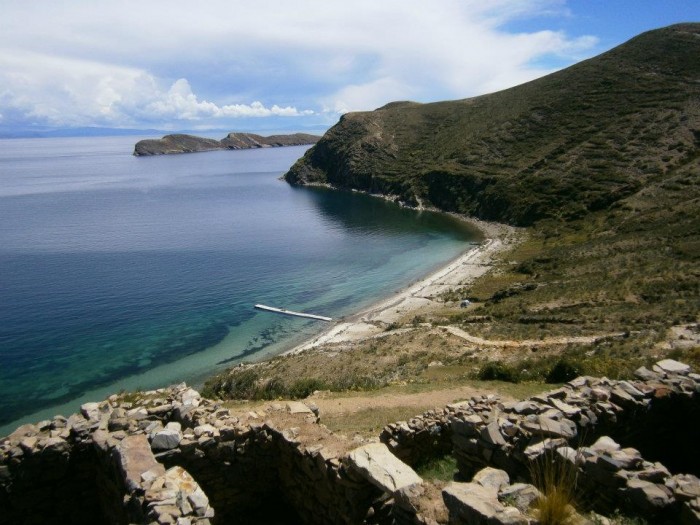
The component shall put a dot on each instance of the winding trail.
(529, 343)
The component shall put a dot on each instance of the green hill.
(560, 146)
(601, 160)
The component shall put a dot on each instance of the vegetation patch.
(441, 468)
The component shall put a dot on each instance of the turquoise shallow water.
(119, 272)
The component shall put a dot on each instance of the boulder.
(191, 397)
(134, 457)
(527, 407)
(206, 430)
(669, 366)
(297, 407)
(645, 374)
(492, 478)
(166, 439)
(684, 486)
(566, 409)
(91, 411)
(491, 434)
(471, 503)
(605, 444)
(375, 463)
(520, 495)
(648, 496)
(549, 427)
(137, 413)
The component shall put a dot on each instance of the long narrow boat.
(290, 312)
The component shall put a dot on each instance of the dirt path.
(332, 404)
(549, 341)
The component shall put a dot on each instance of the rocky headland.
(599, 164)
(182, 143)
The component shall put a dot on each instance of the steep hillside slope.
(601, 160)
(560, 146)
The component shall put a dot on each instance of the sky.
(287, 64)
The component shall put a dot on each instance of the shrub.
(243, 385)
(497, 371)
(273, 389)
(563, 370)
(235, 385)
(302, 388)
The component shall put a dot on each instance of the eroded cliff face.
(181, 143)
(561, 146)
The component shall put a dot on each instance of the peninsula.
(182, 143)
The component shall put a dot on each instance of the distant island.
(182, 143)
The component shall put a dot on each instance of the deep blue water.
(124, 272)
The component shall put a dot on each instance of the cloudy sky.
(287, 64)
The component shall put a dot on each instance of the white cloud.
(158, 62)
(180, 103)
(67, 92)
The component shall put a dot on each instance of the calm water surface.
(118, 272)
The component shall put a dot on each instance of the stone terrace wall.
(172, 457)
(169, 456)
(44, 473)
(422, 437)
(511, 436)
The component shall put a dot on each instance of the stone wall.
(170, 456)
(511, 436)
(423, 437)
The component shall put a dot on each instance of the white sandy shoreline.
(372, 321)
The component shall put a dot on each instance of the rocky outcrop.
(181, 143)
(250, 140)
(490, 499)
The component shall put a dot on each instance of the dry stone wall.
(171, 457)
(653, 418)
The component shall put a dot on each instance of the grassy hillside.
(561, 146)
(601, 161)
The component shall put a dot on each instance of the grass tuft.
(442, 468)
(555, 477)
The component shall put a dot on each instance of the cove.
(123, 273)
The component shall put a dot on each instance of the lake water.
(122, 272)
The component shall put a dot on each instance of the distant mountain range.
(17, 133)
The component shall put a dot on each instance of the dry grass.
(556, 479)
(369, 422)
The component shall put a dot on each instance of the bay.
(122, 272)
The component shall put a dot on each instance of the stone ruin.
(171, 457)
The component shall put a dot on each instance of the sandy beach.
(422, 295)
